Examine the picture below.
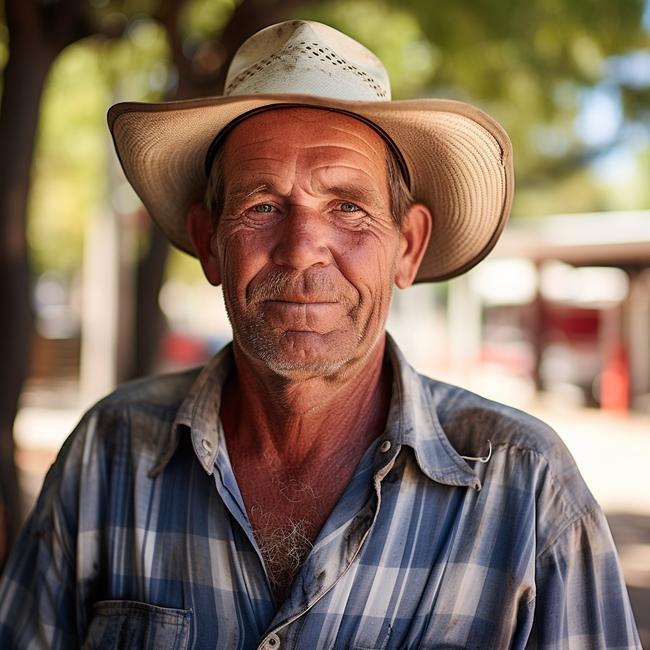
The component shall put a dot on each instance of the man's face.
(306, 243)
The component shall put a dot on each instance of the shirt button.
(385, 446)
(272, 642)
(206, 444)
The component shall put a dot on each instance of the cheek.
(241, 257)
(369, 264)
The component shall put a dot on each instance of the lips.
(301, 301)
(301, 304)
(302, 314)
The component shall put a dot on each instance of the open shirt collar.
(412, 420)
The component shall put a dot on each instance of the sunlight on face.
(306, 240)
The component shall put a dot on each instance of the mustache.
(311, 286)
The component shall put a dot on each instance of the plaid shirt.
(140, 536)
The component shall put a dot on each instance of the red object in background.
(575, 323)
(179, 348)
(615, 380)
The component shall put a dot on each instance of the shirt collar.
(412, 420)
(199, 414)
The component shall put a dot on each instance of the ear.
(415, 232)
(201, 231)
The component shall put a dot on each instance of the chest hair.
(286, 514)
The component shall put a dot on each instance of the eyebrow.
(243, 192)
(353, 192)
(350, 191)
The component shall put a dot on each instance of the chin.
(301, 370)
(303, 355)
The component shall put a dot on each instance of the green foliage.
(74, 155)
(202, 20)
(577, 192)
(183, 267)
(69, 175)
(391, 32)
(136, 66)
(4, 45)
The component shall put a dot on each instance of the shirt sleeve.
(37, 590)
(581, 599)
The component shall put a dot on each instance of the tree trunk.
(24, 77)
(150, 322)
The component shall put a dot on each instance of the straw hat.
(456, 159)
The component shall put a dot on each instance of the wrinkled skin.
(306, 247)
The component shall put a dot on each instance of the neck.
(290, 423)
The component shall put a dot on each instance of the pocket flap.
(132, 624)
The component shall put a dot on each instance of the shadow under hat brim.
(458, 160)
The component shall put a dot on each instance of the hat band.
(221, 136)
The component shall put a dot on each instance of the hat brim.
(458, 158)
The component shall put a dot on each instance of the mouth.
(301, 301)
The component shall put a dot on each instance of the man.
(307, 489)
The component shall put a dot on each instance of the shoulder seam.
(583, 515)
(580, 514)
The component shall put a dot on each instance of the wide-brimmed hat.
(456, 159)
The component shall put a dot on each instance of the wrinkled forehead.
(335, 127)
(311, 139)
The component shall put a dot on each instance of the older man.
(307, 489)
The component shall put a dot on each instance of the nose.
(303, 241)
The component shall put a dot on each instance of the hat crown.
(307, 58)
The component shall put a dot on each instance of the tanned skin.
(308, 253)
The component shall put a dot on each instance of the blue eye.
(348, 207)
(263, 208)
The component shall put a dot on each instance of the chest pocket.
(123, 624)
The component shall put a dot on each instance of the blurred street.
(612, 451)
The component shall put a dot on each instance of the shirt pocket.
(123, 624)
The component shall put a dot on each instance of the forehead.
(306, 135)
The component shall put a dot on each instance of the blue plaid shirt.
(140, 537)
